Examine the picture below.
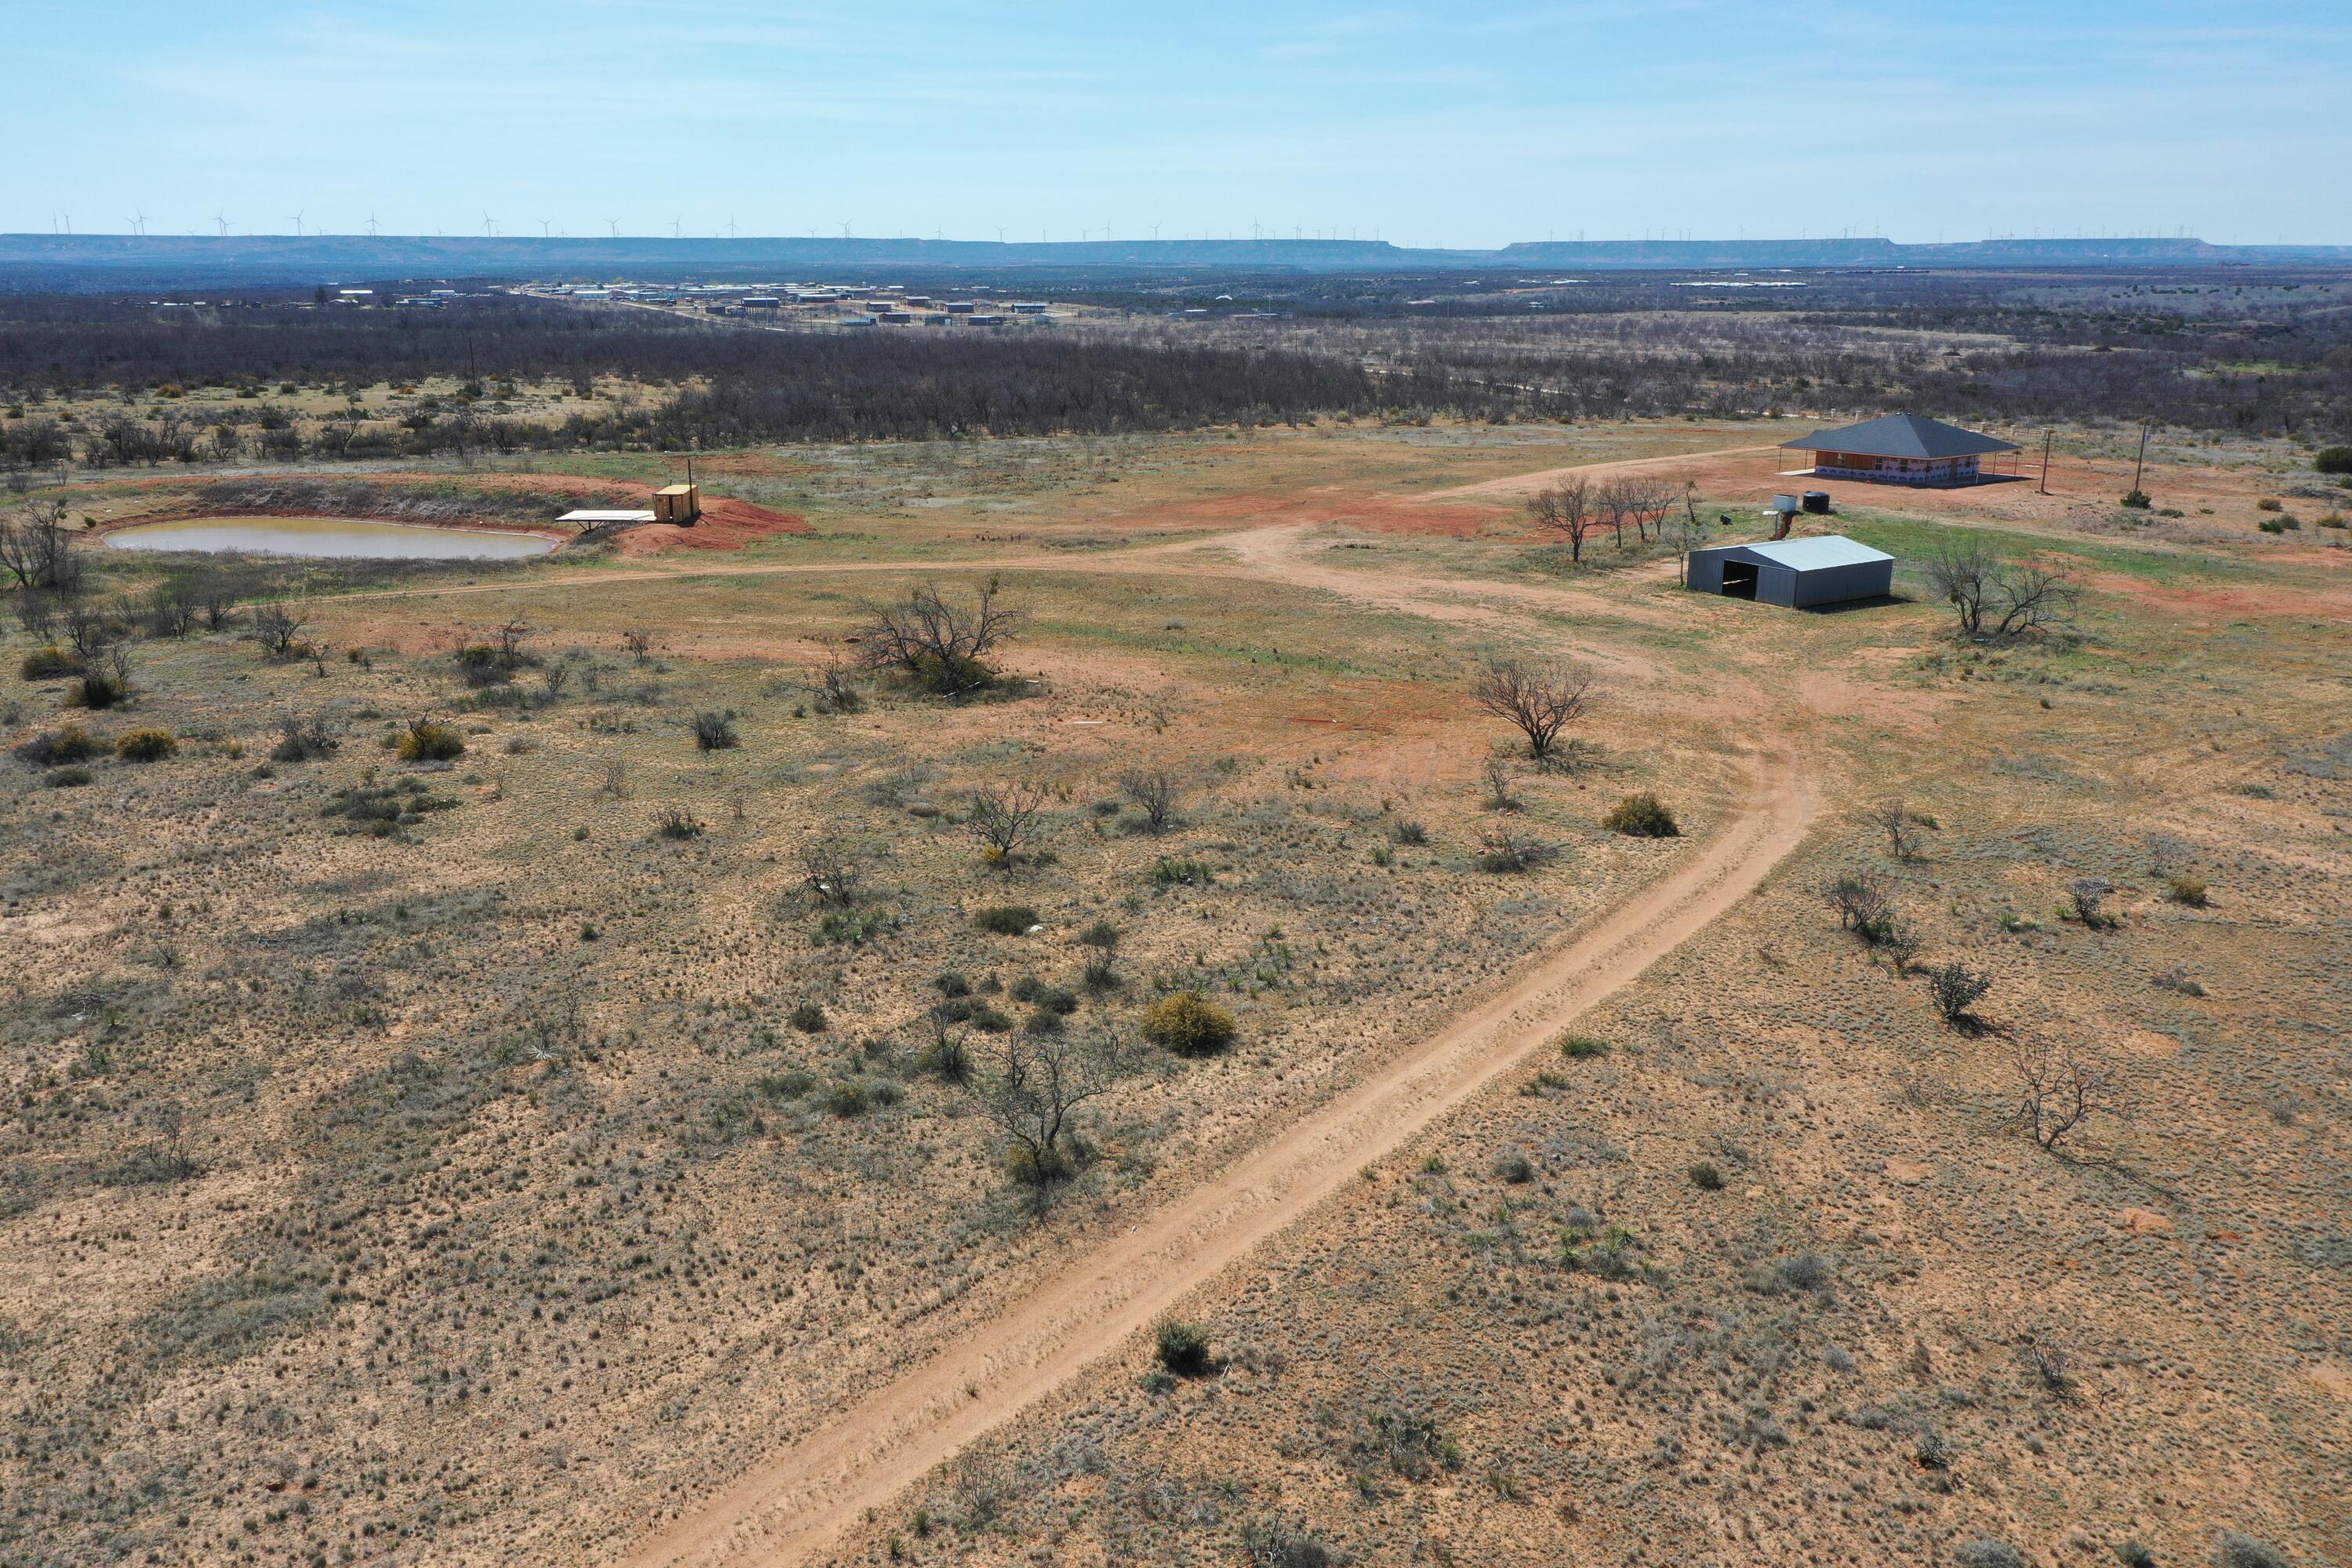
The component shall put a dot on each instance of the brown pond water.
(347, 538)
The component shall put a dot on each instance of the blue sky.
(1432, 123)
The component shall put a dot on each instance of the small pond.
(346, 538)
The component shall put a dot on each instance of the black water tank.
(1817, 500)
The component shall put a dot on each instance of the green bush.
(96, 690)
(48, 664)
(1006, 920)
(780, 1086)
(808, 1018)
(1181, 1347)
(1168, 873)
(847, 1097)
(2189, 890)
(2238, 1550)
(1641, 817)
(1101, 934)
(145, 745)
(1575, 1047)
(430, 741)
(946, 1056)
(1188, 1024)
(2334, 460)
(715, 731)
(66, 744)
(67, 778)
(1955, 988)
(952, 983)
(2137, 501)
(1706, 1177)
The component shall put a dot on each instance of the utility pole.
(2141, 466)
(2046, 434)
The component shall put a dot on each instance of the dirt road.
(1512, 487)
(790, 1505)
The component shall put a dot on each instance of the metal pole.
(2046, 434)
(2141, 466)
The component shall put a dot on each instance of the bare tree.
(640, 645)
(1031, 1084)
(2058, 1090)
(1649, 500)
(1006, 817)
(832, 872)
(1997, 599)
(89, 630)
(832, 689)
(277, 628)
(510, 640)
(1613, 499)
(219, 597)
(614, 777)
(1683, 534)
(1893, 818)
(1861, 903)
(935, 640)
(1541, 699)
(171, 612)
(37, 552)
(1566, 508)
(2031, 597)
(1154, 792)
(1962, 574)
(1498, 785)
(37, 612)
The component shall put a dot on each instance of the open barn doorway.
(1740, 579)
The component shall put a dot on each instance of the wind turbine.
(139, 224)
(371, 222)
(297, 223)
(675, 223)
(489, 226)
(614, 225)
(731, 228)
(222, 218)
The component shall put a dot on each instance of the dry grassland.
(435, 1163)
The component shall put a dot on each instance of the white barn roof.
(1815, 554)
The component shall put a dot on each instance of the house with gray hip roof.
(1900, 450)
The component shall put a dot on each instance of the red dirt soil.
(725, 524)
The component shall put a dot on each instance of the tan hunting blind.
(680, 504)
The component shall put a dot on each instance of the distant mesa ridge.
(286, 258)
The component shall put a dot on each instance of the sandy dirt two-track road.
(790, 1505)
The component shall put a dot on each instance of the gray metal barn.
(1796, 573)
